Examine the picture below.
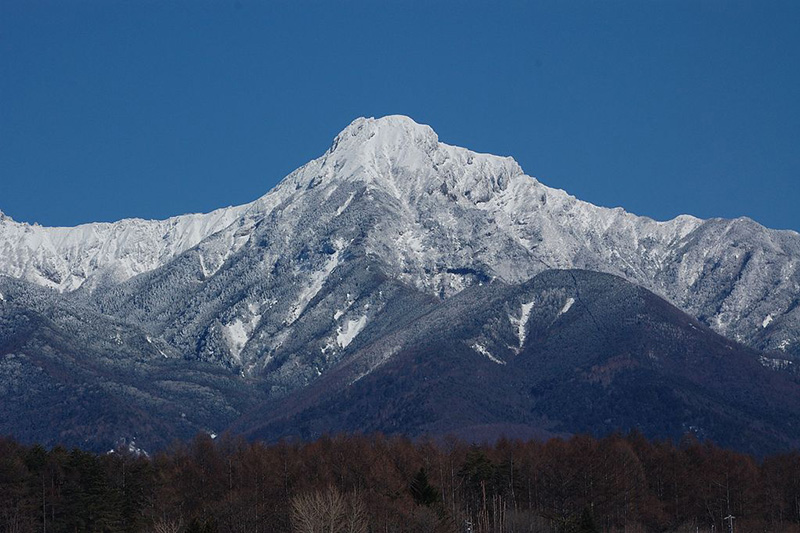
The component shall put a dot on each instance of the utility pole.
(44, 506)
(730, 518)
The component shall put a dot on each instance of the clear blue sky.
(152, 108)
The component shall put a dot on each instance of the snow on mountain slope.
(453, 210)
(64, 258)
(388, 195)
(452, 217)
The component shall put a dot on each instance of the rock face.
(357, 245)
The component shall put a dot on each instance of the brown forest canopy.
(358, 483)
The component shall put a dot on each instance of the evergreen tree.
(422, 491)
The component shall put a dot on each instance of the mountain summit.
(319, 280)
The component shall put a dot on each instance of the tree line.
(361, 484)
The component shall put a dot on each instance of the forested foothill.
(356, 483)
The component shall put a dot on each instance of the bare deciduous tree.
(329, 511)
(167, 525)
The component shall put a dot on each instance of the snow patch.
(330, 346)
(346, 334)
(567, 306)
(317, 281)
(481, 349)
(345, 204)
(339, 313)
(203, 269)
(521, 322)
(237, 337)
(150, 341)
(124, 444)
(784, 344)
(237, 334)
(774, 364)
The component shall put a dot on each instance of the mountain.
(71, 376)
(440, 218)
(364, 244)
(567, 351)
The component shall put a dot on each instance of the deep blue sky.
(112, 109)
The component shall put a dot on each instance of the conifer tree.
(422, 491)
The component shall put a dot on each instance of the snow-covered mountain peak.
(398, 156)
(373, 150)
(384, 133)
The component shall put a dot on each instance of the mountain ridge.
(332, 271)
(535, 228)
(437, 199)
